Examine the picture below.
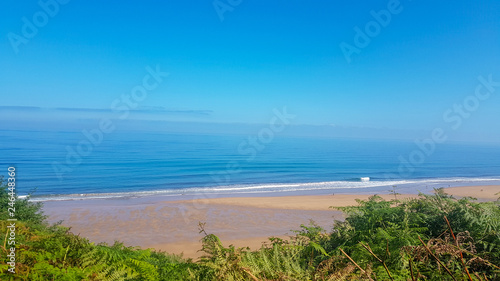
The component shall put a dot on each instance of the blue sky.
(262, 55)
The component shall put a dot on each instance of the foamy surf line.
(324, 187)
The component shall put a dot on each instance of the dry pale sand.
(172, 226)
(487, 192)
(300, 202)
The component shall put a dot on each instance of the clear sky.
(238, 65)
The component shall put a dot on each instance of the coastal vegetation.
(432, 237)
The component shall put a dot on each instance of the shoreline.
(413, 186)
(172, 226)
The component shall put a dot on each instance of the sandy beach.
(172, 226)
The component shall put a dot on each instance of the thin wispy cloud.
(24, 108)
(144, 109)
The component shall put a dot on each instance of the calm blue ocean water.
(139, 164)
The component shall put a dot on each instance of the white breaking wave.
(270, 187)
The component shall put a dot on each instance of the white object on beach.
(365, 179)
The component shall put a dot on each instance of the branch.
(250, 274)
(456, 243)
(411, 271)
(367, 247)
(430, 252)
(359, 267)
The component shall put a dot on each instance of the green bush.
(25, 210)
(386, 236)
(52, 252)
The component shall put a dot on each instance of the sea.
(52, 165)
